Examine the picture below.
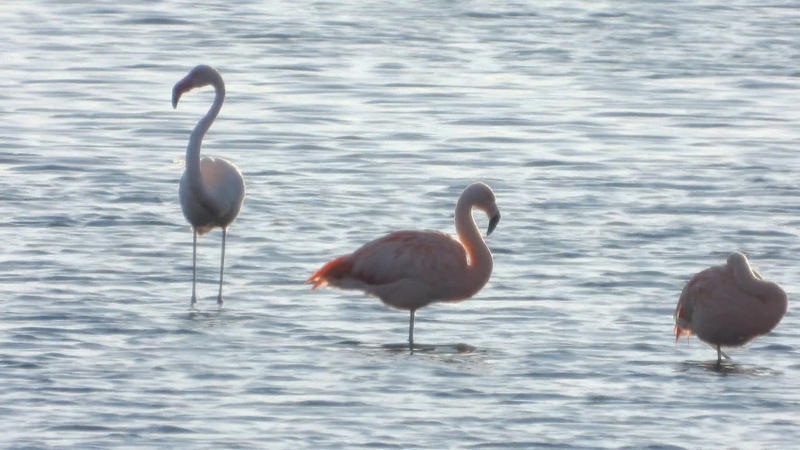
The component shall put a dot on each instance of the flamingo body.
(412, 269)
(224, 193)
(405, 269)
(211, 189)
(729, 304)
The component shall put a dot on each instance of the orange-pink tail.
(679, 316)
(332, 269)
(681, 331)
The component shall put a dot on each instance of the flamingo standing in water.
(728, 305)
(411, 269)
(211, 189)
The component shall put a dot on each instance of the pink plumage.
(728, 305)
(411, 269)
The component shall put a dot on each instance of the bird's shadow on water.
(441, 349)
(726, 368)
(421, 349)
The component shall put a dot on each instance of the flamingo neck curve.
(196, 139)
(479, 266)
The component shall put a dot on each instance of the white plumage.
(211, 189)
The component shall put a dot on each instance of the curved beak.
(493, 223)
(178, 90)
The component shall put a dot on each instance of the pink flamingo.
(729, 305)
(411, 269)
(211, 189)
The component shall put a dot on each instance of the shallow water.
(630, 145)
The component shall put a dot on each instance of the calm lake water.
(630, 145)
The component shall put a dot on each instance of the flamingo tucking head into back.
(728, 305)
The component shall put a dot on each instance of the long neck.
(480, 258)
(196, 139)
(772, 296)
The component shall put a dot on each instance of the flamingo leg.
(221, 266)
(194, 265)
(411, 330)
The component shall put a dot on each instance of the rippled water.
(630, 144)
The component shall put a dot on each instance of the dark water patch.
(266, 391)
(601, 399)
(296, 67)
(703, 124)
(129, 223)
(154, 21)
(656, 447)
(167, 429)
(495, 140)
(215, 376)
(50, 168)
(483, 15)
(495, 122)
(502, 250)
(271, 36)
(645, 348)
(760, 84)
(8, 158)
(559, 163)
(71, 390)
(779, 347)
(396, 84)
(462, 393)
(556, 375)
(80, 428)
(14, 364)
(382, 444)
(639, 114)
(326, 404)
(765, 233)
(527, 444)
(138, 199)
(407, 137)
(76, 81)
(390, 66)
(615, 137)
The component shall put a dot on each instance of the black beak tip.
(493, 223)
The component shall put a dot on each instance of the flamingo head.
(482, 197)
(737, 258)
(200, 76)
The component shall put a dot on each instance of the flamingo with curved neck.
(212, 189)
(412, 269)
(729, 305)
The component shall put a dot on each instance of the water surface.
(630, 145)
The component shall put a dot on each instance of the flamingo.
(211, 189)
(729, 305)
(411, 269)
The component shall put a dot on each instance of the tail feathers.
(332, 270)
(681, 319)
(682, 331)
